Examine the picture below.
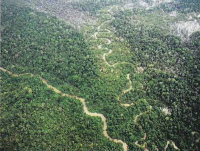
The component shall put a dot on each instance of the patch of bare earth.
(184, 29)
(152, 3)
(140, 69)
(63, 10)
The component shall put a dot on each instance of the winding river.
(174, 145)
(127, 90)
(82, 100)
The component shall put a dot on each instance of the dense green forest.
(35, 118)
(40, 44)
(171, 74)
(127, 66)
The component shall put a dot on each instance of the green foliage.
(35, 118)
(36, 43)
(150, 45)
(194, 42)
(171, 76)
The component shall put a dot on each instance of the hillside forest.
(100, 75)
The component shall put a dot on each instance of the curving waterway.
(82, 100)
(130, 83)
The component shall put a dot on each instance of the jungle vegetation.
(164, 73)
(171, 74)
